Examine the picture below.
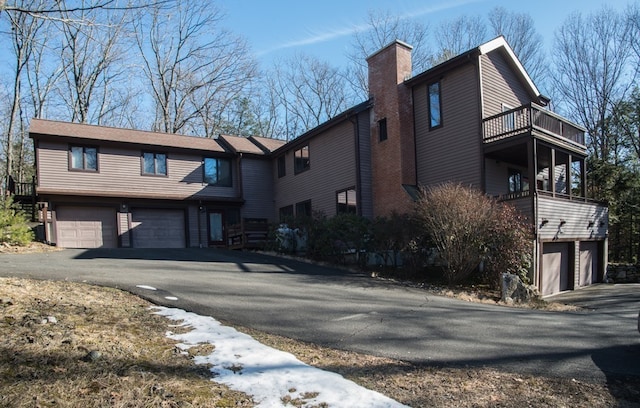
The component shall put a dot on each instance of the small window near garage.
(301, 159)
(303, 209)
(84, 158)
(346, 201)
(154, 164)
(435, 106)
(286, 213)
(382, 130)
(282, 167)
(217, 172)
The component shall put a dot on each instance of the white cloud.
(329, 34)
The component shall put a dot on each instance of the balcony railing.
(527, 118)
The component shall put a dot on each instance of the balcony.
(528, 119)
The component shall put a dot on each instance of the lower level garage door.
(86, 227)
(555, 268)
(158, 228)
(589, 261)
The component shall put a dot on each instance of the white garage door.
(555, 268)
(86, 227)
(588, 263)
(158, 228)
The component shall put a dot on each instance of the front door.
(216, 227)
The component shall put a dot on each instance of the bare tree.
(193, 67)
(458, 35)
(23, 31)
(90, 54)
(519, 31)
(590, 60)
(383, 28)
(310, 92)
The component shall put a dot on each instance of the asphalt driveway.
(352, 311)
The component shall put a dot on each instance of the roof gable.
(498, 44)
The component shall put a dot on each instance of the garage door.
(158, 228)
(555, 268)
(589, 261)
(86, 227)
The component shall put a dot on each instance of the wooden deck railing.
(527, 118)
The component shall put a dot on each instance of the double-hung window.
(217, 172)
(347, 201)
(435, 105)
(154, 164)
(301, 159)
(83, 158)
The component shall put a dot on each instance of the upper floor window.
(154, 163)
(301, 159)
(282, 167)
(347, 201)
(217, 172)
(435, 106)
(83, 158)
(382, 129)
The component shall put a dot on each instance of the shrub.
(14, 227)
(467, 228)
(509, 245)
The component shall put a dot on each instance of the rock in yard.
(92, 356)
(515, 291)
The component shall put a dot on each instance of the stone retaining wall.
(623, 273)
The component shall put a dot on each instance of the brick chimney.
(393, 159)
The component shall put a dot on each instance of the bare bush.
(467, 228)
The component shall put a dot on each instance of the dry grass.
(49, 329)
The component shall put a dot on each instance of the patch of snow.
(268, 375)
(146, 287)
(171, 298)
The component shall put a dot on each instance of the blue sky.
(324, 28)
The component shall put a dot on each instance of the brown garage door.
(86, 227)
(555, 268)
(158, 228)
(589, 260)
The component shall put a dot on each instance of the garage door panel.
(555, 268)
(86, 227)
(589, 260)
(158, 228)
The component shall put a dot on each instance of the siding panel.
(453, 151)
(332, 168)
(583, 221)
(257, 189)
(120, 175)
(500, 85)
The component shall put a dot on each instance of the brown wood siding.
(366, 196)
(332, 168)
(195, 219)
(257, 186)
(577, 216)
(500, 85)
(119, 174)
(453, 151)
(123, 230)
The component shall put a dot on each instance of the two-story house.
(477, 119)
(107, 187)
